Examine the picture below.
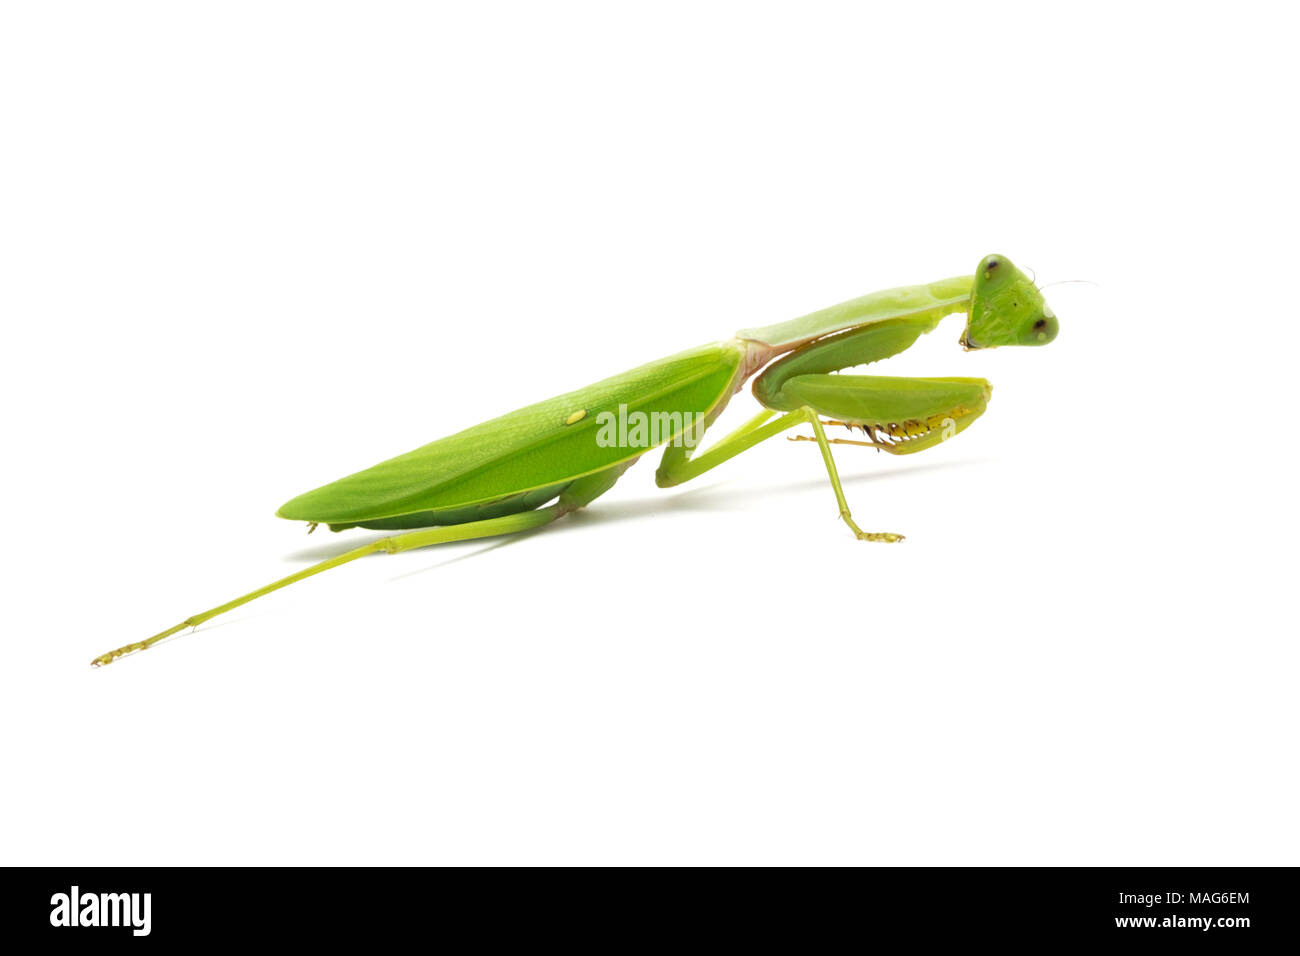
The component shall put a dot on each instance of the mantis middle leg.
(902, 415)
(678, 465)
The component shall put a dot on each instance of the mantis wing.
(530, 452)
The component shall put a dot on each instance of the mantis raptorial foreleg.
(901, 415)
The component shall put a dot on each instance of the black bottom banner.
(1224, 908)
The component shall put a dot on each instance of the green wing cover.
(534, 447)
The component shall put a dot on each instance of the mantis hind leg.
(580, 493)
(678, 465)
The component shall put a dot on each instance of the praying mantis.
(535, 465)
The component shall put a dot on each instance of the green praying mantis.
(539, 463)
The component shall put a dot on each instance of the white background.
(248, 248)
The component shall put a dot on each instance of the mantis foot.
(105, 659)
(880, 536)
(861, 535)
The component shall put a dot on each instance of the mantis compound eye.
(1044, 328)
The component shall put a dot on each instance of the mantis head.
(1006, 308)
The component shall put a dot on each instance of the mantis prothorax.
(532, 466)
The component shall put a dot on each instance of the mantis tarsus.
(534, 465)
